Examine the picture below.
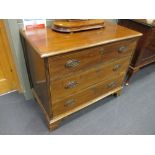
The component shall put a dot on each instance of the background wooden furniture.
(71, 71)
(8, 76)
(145, 51)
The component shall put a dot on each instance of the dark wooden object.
(68, 72)
(145, 50)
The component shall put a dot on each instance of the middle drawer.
(74, 83)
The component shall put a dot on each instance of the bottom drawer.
(85, 96)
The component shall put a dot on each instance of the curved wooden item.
(77, 25)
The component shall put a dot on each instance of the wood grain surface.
(69, 72)
(47, 42)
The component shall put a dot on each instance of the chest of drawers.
(68, 72)
(145, 50)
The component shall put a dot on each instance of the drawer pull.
(112, 84)
(116, 67)
(122, 49)
(72, 63)
(71, 84)
(69, 102)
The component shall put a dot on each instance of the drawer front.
(147, 54)
(74, 101)
(76, 82)
(67, 63)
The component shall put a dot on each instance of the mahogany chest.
(68, 72)
(145, 50)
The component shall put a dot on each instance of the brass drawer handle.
(122, 49)
(69, 102)
(112, 84)
(116, 67)
(71, 84)
(72, 63)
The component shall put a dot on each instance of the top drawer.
(68, 63)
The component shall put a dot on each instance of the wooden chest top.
(47, 42)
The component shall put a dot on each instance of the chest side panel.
(38, 72)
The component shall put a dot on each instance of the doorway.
(8, 75)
